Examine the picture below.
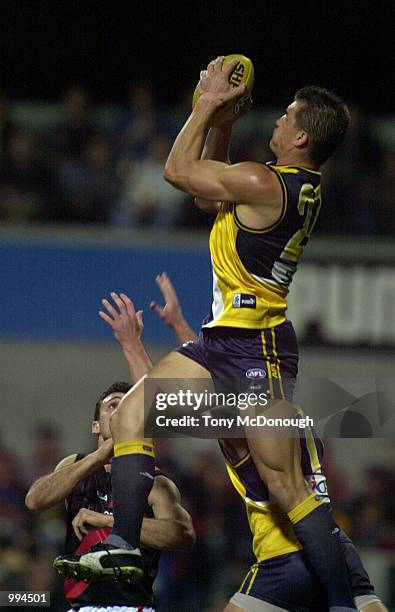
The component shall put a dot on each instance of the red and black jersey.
(95, 493)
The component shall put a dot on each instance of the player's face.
(108, 406)
(286, 132)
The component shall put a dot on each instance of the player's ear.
(95, 427)
(302, 139)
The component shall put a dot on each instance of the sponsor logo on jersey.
(255, 373)
(243, 300)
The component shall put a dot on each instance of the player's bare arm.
(127, 326)
(55, 487)
(250, 183)
(216, 148)
(171, 313)
(172, 528)
(89, 519)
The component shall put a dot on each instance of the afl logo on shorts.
(255, 373)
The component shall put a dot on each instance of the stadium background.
(82, 144)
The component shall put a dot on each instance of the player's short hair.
(117, 387)
(325, 117)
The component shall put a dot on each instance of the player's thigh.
(175, 372)
(176, 365)
(180, 376)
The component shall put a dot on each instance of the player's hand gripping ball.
(242, 74)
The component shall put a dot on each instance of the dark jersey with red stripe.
(94, 493)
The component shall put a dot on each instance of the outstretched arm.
(127, 326)
(55, 487)
(171, 313)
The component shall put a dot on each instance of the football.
(243, 73)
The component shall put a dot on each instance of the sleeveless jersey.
(272, 531)
(95, 493)
(252, 268)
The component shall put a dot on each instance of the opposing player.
(265, 215)
(84, 482)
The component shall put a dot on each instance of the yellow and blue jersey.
(253, 268)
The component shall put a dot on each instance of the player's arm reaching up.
(216, 148)
(171, 313)
(251, 183)
(127, 326)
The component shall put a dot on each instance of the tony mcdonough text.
(207, 420)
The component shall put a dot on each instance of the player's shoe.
(102, 562)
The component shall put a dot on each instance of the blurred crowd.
(200, 581)
(76, 169)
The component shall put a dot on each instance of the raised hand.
(126, 324)
(214, 82)
(171, 313)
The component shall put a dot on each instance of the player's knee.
(127, 419)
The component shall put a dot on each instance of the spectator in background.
(138, 124)
(7, 127)
(377, 193)
(12, 492)
(26, 184)
(70, 137)
(358, 160)
(373, 510)
(147, 199)
(89, 185)
(46, 451)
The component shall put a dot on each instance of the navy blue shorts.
(249, 357)
(286, 582)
